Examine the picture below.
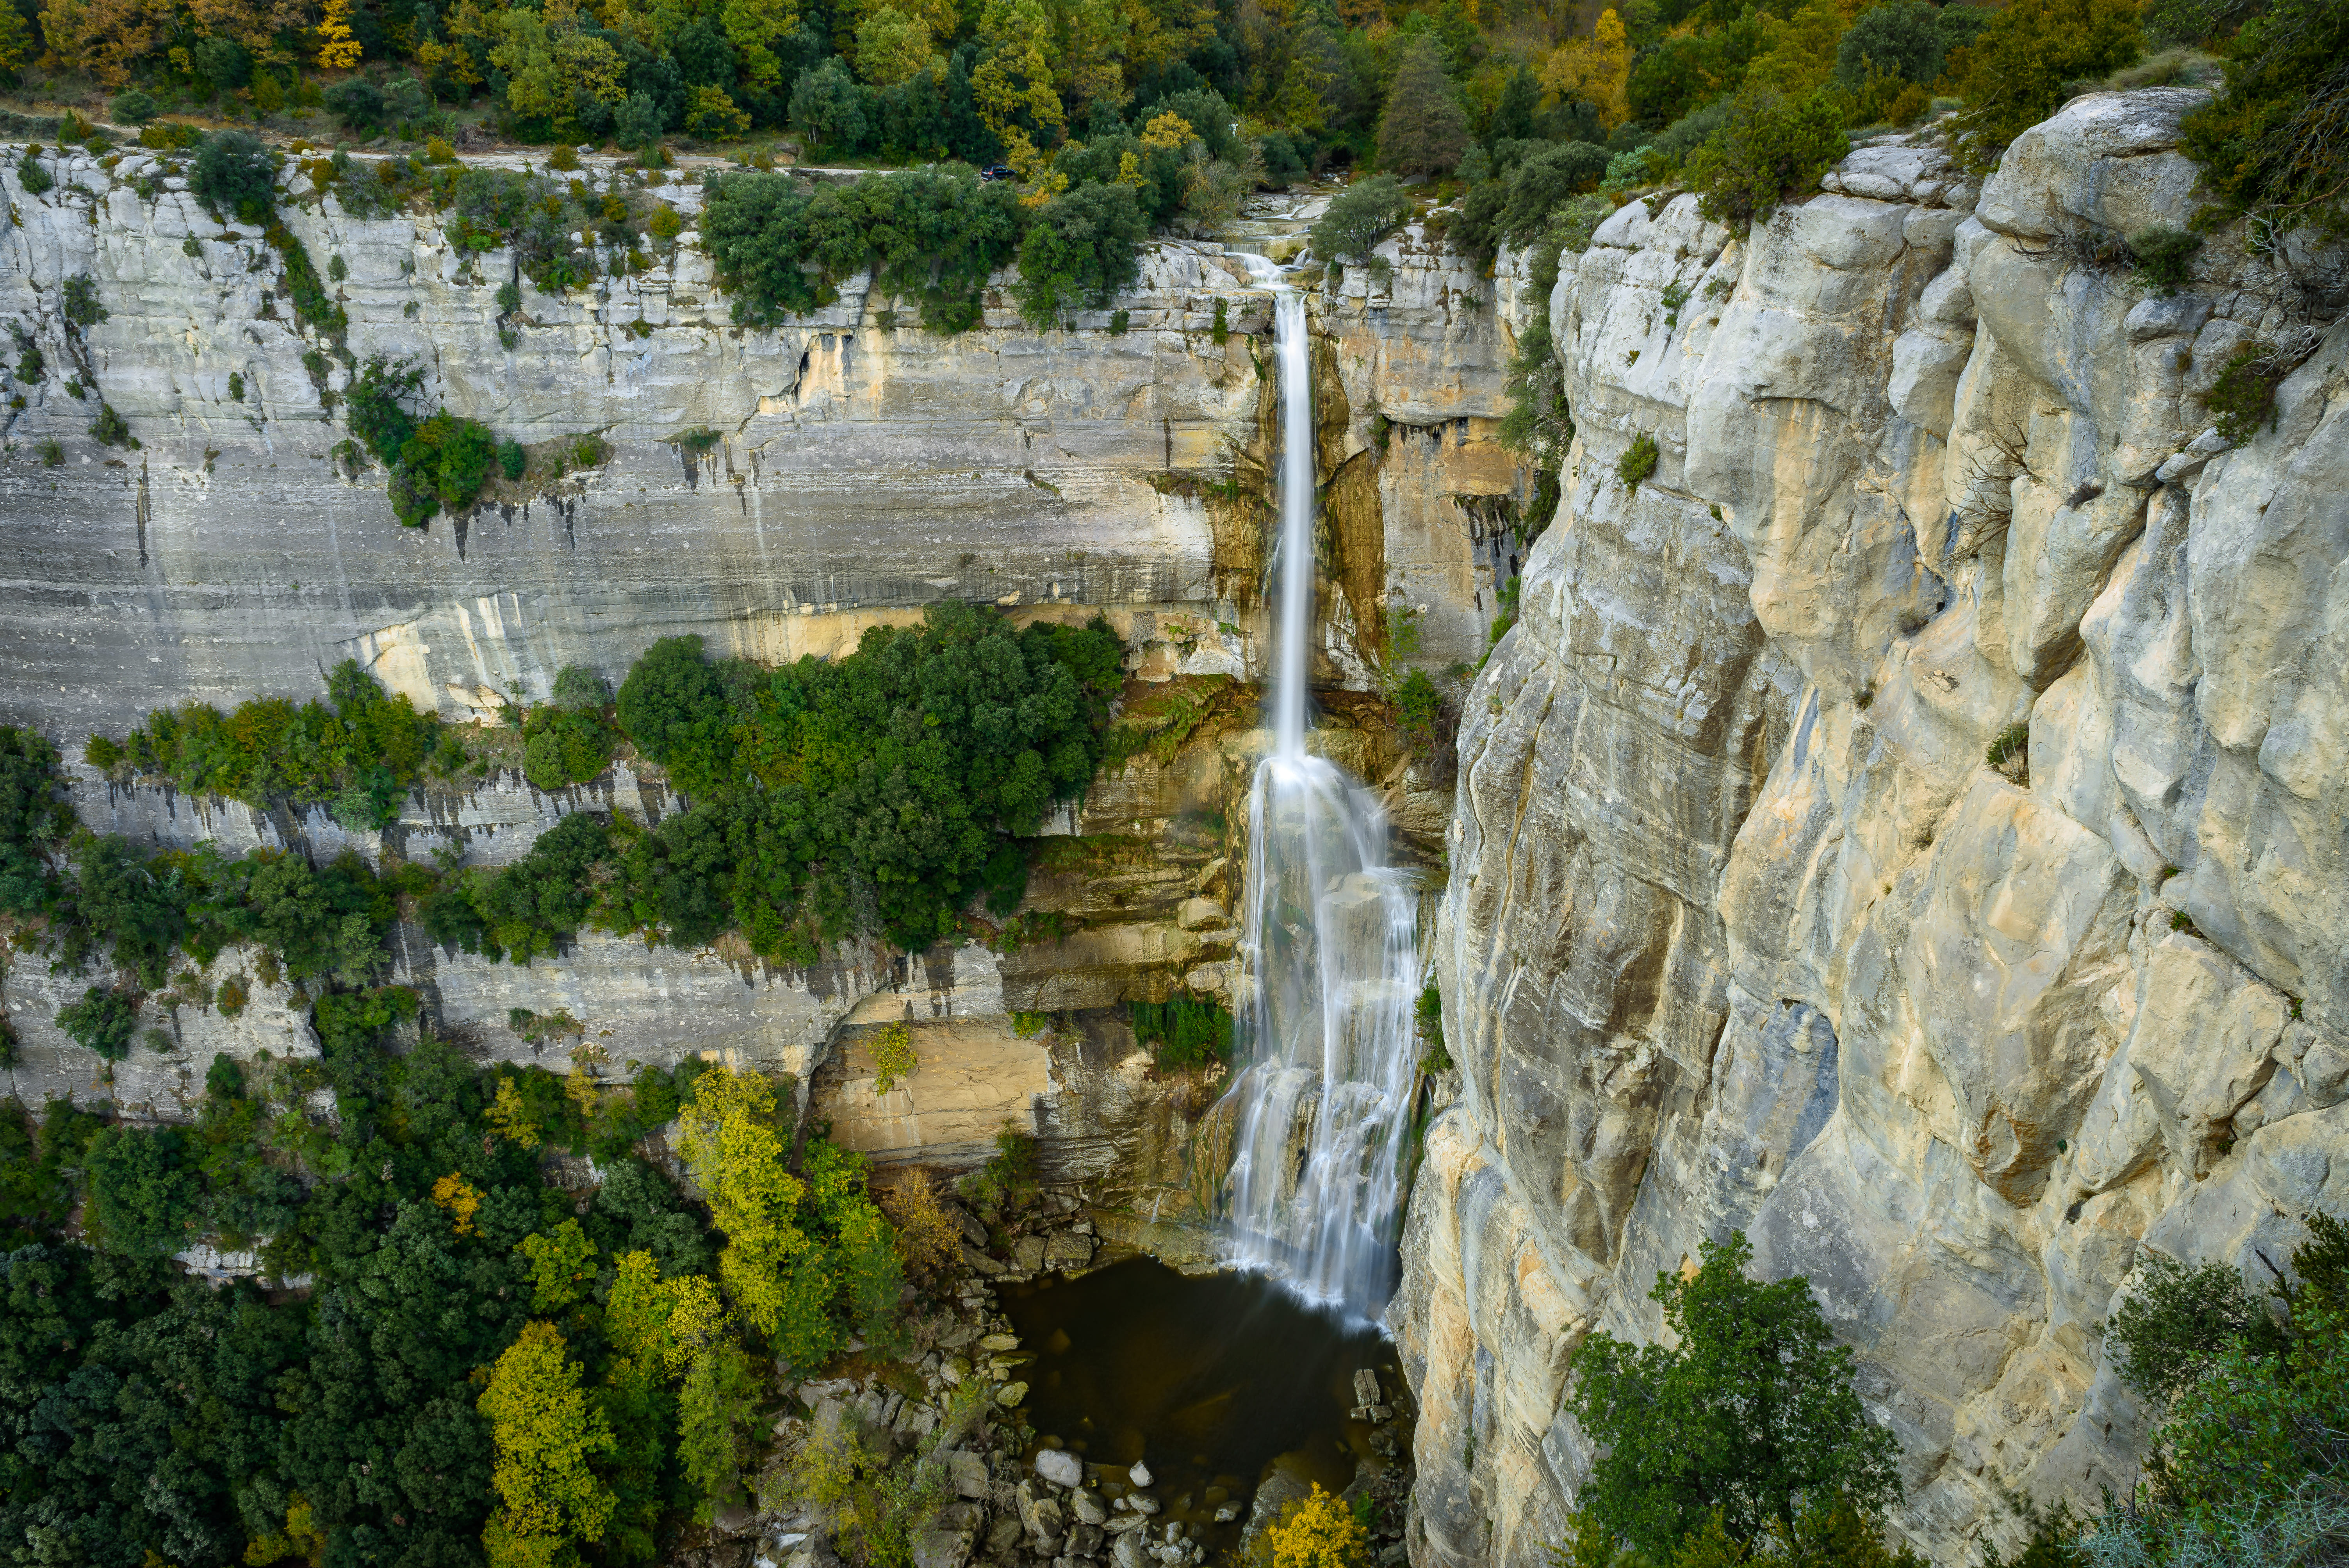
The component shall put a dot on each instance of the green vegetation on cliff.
(1747, 1427)
(887, 791)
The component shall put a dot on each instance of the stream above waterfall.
(1216, 1382)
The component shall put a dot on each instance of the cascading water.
(1325, 1021)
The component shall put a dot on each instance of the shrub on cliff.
(1748, 1421)
(234, 177)
(2248, 1466)
(2276, 141)
(1771, 149)
(34, 818)
(931, 236)
(269, 747)
(1080, 248)
(102, 1021)
(2014, 75)
(1359, 217)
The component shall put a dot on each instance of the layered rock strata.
(1907, 827)
(777, 492)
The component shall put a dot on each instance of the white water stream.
(1327, 960)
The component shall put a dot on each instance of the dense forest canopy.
(1124, 116)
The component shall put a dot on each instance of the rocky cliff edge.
(1745, 930)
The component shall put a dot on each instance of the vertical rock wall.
(1743, 931)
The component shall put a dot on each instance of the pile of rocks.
(1074, 1522)
(1053, 1234)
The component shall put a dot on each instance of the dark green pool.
(1209, 1380)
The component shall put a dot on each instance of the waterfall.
(1328, 959)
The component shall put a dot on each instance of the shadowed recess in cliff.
(1331, 948)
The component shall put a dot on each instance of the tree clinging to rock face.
(1750, 1421)
(1424, 131)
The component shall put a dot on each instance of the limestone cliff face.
(851, 475)
(1742, 930)
(843, 473)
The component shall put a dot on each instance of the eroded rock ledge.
(1743, 931)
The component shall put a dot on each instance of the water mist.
(1327, 964)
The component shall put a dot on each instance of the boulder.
(1061, 1468)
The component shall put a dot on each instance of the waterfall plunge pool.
(1217, 1382)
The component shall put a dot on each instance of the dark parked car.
(995, 172)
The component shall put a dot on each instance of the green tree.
(1424, 131)
(1771, 149)
(673, 708)
(1359, 217)
(2248, 1466)
(828, 106)
(714, 1408)
(233, 176)
(2016, 73)
(102, 1021)
(2272, 142)
(1081, 249)
(1752, 1414)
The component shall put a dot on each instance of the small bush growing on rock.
(2163, 257)
(2243, 398)
(892, 1057)
(109, 428)
(81, 306)
(1358, 218)
(1638, 460)
(234, 177)
(928, 1242)
(232, 997)
(2010, 753)
(1188, 1031)
(53, 454)
(102, 1021)
(1771, 149)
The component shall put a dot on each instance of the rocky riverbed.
(952, 1411)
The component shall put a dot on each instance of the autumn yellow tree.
(1160, 32)
(546, 1434)
(893, 47)
(1319, 1531)
(1597, 71)
(338, 50)
(15, 38)
(104, 38)
(755, 28)
(461, 1198)
(729, 1140)
(1016, 77)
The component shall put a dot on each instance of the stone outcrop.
(1746, 929)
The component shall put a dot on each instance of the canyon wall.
(776, 491)
(843, 472)
(1744, 929)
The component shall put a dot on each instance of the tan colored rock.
(1742, 931)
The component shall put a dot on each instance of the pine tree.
(1424, 131)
